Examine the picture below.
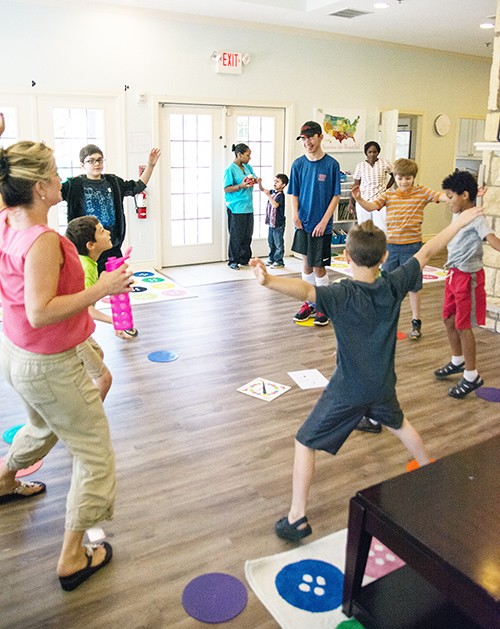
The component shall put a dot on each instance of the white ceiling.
(451, 25)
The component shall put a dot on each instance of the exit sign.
(229, 63)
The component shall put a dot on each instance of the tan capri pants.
(63, 403)
(91, 355)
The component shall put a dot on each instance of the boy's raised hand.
(260, 271)
(154, 156)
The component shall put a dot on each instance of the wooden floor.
(204, 471)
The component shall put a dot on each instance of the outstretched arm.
(293, 287)
(493, 241)
(369, 206)
(269, 196)
(154, 156)
(439, 242)
(351, 205)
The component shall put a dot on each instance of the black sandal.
(291, 532)
(131, 332)
(17, 493)
(464, 387)
(72, 581)
(449, 370)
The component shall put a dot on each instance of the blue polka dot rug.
(302, 587)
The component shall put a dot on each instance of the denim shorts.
(398, 255)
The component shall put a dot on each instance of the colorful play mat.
(151, 287)
(429, 273)
(303, 587)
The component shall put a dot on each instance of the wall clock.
(442, 124)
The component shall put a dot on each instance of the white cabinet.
(471, 130)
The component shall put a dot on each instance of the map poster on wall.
(343, 129)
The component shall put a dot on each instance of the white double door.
(196, 149)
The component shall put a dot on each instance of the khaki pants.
(91, 355)
(63, 403)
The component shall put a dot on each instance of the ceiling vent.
(350, 13)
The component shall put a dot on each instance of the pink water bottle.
(121, 310)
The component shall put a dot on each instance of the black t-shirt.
(365, 318)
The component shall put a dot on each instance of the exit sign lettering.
(229, 63)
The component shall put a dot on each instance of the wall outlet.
(142, 237)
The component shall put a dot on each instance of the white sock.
(457, 360)
(309, 278)
(471, 375)
(322, 281)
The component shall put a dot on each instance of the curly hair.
(461, 181)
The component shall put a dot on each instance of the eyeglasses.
(92, 161)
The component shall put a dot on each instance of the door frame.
(156, 103)
(388, 127)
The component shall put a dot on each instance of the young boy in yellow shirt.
(405, 213)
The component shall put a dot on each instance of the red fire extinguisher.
(141, 205)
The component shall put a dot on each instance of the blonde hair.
(22, 165)
(405, 167)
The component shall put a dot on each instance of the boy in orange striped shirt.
(405, 213)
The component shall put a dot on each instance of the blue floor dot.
(143, 274)
(311, 585)
(163, 356)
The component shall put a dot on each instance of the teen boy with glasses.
(99, 194)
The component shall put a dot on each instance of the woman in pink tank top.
(45, 315)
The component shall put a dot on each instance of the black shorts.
(318, 249)
(332, 420)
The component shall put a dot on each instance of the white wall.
(88, 49)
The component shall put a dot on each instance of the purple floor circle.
(490, 394)
(214, 597)
(163, 356)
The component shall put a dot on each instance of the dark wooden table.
(443, 520)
